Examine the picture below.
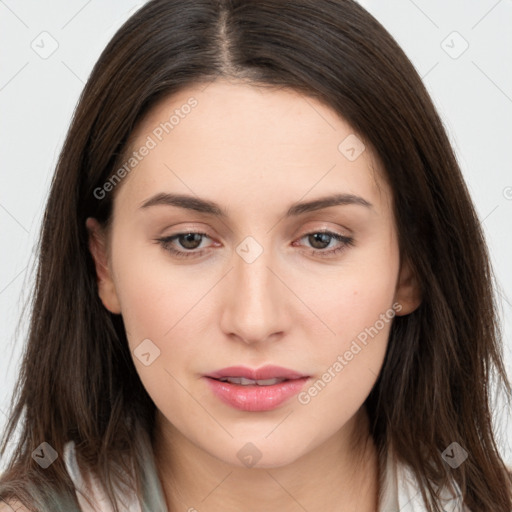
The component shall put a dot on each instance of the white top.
(399, 491)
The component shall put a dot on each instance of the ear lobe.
(98, 249)
(408, 290)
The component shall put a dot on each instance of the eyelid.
(344, 240)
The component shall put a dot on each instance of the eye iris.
(319, 238)
(190, 240)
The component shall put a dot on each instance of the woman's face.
(294, 264)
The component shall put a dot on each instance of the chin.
(259, 454)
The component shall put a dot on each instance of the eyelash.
(345, 242)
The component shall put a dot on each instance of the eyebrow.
(205, 206)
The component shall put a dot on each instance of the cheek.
(358, 307)
(153, 295)
(145, 306)
(356, 296)
(154, 301)
(350, 361)
(162, 303)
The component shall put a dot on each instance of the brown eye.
(319, 243)
(184, 245)
(319, 240)
(190, 240)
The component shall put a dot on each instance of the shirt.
(399, 491)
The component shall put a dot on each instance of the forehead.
(261, 141)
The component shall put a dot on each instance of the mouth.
(255, 390)
(263, 374)
(242, 381)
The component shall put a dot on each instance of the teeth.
(249, 382)
(269, 382)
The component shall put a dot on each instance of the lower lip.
(256, 398)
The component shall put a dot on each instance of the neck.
(341, 474)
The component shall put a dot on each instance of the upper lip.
(263, 373)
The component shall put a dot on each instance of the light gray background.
(471, 87)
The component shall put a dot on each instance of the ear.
(408, 290)
(98, 248)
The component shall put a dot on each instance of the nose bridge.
(253, 306)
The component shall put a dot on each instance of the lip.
(265, 372)
(256, 398)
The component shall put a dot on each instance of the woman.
(262, 282)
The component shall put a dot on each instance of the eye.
(188, 241)
(188, 244)
(322, 240)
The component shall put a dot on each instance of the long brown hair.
(78, 382)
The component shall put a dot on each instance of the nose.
(255, 302)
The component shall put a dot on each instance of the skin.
(255, 152)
